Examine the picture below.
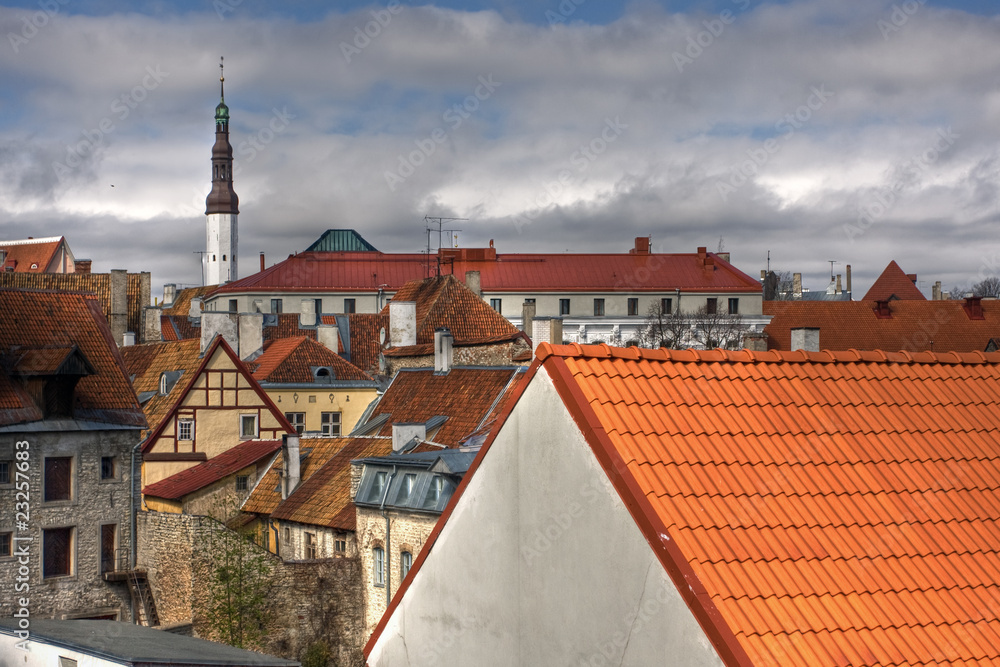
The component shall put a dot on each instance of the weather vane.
(222, 72)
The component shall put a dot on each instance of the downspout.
(388, 553)
(133, 557)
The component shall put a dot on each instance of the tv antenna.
(429, 222)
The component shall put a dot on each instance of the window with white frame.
(330, 423)
(405, 563)
(248, 426)
(297, 420)
(378, 566)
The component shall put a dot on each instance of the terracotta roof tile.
(47, 320)
(208, 472)
(467, 396)
(914, 327)
(146, 363)
(314, 452)
(366, 339)
(894, 284)
(174, 323)
(99, 284)
(445, 302)
(28, 257)
(290, 360)
(324, 499)
(851, 527)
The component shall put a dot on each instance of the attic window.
(323, 374)
(34, 266)
(163, 385)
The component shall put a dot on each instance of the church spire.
(222, 204)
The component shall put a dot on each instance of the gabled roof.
(208, 472)
(40, 331)
(218, 346)
(33, 255)
(341, 240)
(99, 284)
(324, 498)
(146, 363)
(894, 284)
(367, 271)
(914, 326)
(313, 453)
(289, 360)
(827, 508)
(466, 395)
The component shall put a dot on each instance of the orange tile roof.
(174, 323)
(289, 360)
(443, 301)
(314, 452)
(146, 363)
(30, 257)
(47, 319)
(366, 343)
(914, 325)
(894, 284)
(99, 284)
(324, 498)
(208, 472)
(466, 396)
(827, 508)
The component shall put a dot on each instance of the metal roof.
(341, 240)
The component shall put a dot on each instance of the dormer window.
(323, 374)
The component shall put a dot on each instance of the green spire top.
(222, 111)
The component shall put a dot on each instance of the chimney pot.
(128, 339)
(443, 351)
(262, 260)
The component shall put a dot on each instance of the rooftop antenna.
(430, 220)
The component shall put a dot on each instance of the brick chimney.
(82, 266)
(973, 307)
(641, 246)
(847, 272)
(882, 310)
(797, 285)
(151, 331)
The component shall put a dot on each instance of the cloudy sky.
(858, 131)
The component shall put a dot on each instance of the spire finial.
(222, 78)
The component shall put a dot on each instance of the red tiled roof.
(366, 271)
(324, 498)
(99, 284)
(289, 360)
(30, 257)
(314, 452)
(914, 325)
(366, 339)
(229, 462)
(148, 362)
(894, 284)
(812, 508)
(174, 323)
(443, 301)
(45, 319)
(465, 395)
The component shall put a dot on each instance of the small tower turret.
(222, 204)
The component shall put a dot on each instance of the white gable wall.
(541, 564)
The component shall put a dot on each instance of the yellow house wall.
(324, 399)
(162, 505)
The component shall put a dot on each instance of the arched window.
(164, 389)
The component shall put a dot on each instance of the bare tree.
(664, 329)
(989, 287)
(779, 286)
(715, 329)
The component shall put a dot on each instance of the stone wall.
(94, 502)
(496, 354)
(408, 531)
(292, 541)
(311, 601)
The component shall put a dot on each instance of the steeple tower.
(222, 205)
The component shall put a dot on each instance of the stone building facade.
(73, 541)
